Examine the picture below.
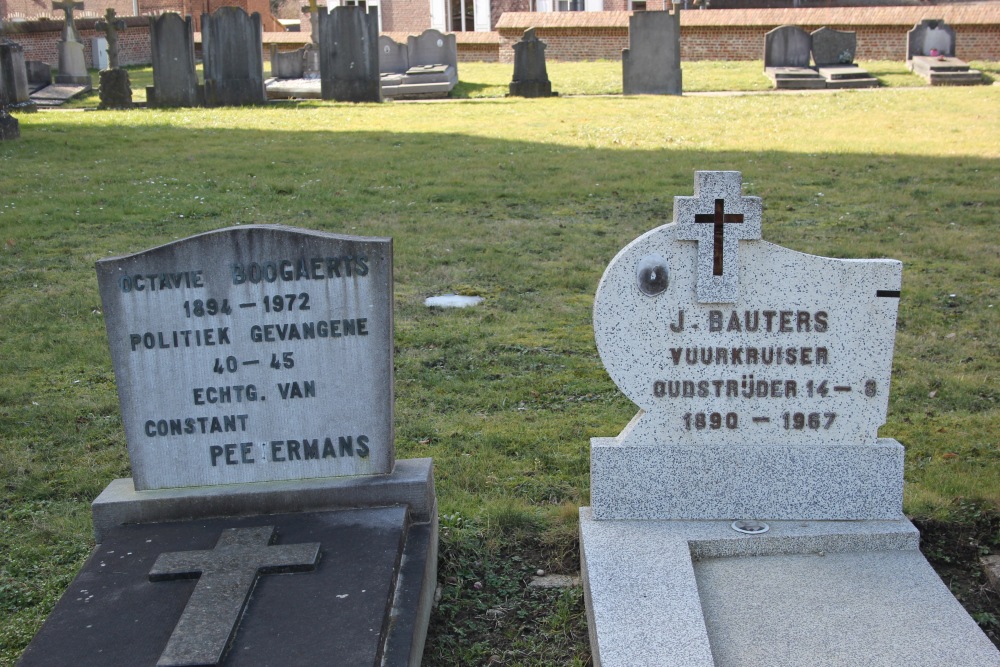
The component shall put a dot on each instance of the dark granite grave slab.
(344, 608)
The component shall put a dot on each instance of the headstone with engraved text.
(762, 377)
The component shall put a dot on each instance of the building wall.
(40, 39)
(409, 16)
(738, 34)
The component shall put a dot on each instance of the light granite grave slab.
(253, 353)
(729, 518)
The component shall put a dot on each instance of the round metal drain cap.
(750, 527)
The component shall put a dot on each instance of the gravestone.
(531, 79)
(786, 59)
(10, 129)
(116, 89)
(14, 90)
(930, 53)
(348, 55)
(652, 63)
(833, 53)
(72, 65)
(288, 64)
(39, 74)
(267, 520)
(234, 61)
(175, 80)
(425, 67)
(762, 377)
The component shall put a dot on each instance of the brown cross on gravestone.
(718, 233)
(69, 33)
(111, 25)
(226, 576)
(718, 218)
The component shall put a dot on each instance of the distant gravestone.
(289, 64)
(531, 79)
(14, 90)
(72, 65)
(39, 74)
(432, 47)
(269, 352)
(652, 63)
(930, 53)
(116, 88)
(393, 57)
(833, 54)
(348, 55)
(234, 61)
(786, 59)
(175, 80)
(762, 376)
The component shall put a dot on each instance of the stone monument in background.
(72, 65)
(234, 62)
(531, 79)
(116, 89)
(930, 53)
(651, 65)
(749, 514)
(267, 521)
(348, 55)
(175, 79)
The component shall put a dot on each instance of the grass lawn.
(523, 202)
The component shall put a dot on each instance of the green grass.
(523, 202)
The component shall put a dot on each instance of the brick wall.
(40, 39)
(739, 34)
(409, 16)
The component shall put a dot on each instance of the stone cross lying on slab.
(226, 577)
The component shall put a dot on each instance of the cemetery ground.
(522, 202)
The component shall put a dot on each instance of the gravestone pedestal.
(115, 90)
(749, 514)
(72, 65)
(10, 129)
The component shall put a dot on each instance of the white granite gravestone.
(762, 377)
(253, 353)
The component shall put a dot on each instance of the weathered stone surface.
(930, 37)
(833, 47)
(269, 351)
(531, 78)
(72, 65)
(348, 55)
(10, 129)
(234, 62)
(355, 602)
(431, 47)
(115, 90)
(787, 46)
(39, 74)
(393, 57)
(652, 63)
(14, 91)
(175, 80)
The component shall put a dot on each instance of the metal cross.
(226, 576)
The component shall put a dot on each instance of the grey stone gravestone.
(930, 53)
(39, 74)
(652, 63)
(348, 55)
(426, 66)
(762, 376)
(234, 61)
(10, 129)
(393, 57)
(116, 88)
(531, 79)
(288, 64)
(14, 91)
(72, 65)
(432, 47)
(175, 80)
(786, 58)
(833, 53)
(270, 350)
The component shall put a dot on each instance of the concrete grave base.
(794, 78)
(804, 481)
(821, 593)
(945, 71)
(363, 598)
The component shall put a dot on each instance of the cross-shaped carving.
(111, 25)
(226, 576)
(69, 33)
(704, 218)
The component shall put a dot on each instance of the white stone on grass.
(452, 301)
